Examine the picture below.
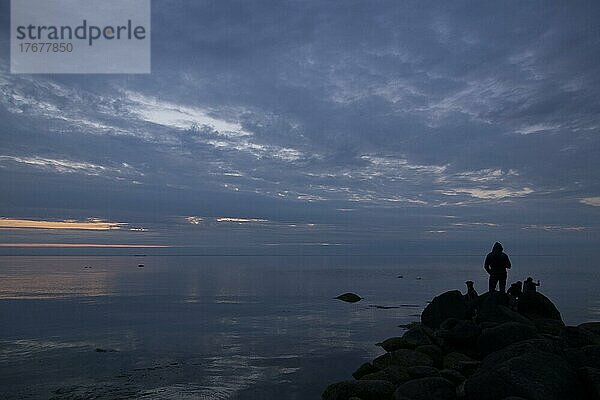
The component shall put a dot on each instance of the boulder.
(403, 358)
(460, 362)
(422, 371)
(487, 304)
(532, 369)
(394, 343)
(391, 373)
(432, 388)
(451, 304)
(548, 326)
(365, 369)
(349, 297)
(453, 376)
(588, 356)
(591, 382)
(593, 327)
(509, 315)
(459, 332)
(434, 352)
(363, 389)
(535, 305)
(494, 339)
(574, 336)
(417, 336)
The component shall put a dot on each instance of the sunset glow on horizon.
(93, 224)
(126, 246)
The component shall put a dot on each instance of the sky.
(298, 127)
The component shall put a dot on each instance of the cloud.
(194, 220)
(241, 220)
(490, 194)
(556, 228)
(180, 116)
(69, 166)
(400, 112)
(591, 201)
(92, 224)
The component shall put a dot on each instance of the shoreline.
(482, 349)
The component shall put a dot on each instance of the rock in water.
(365, 390)
(451, 304)
(535, 305)
(349, 297)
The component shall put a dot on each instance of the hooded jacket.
(497, 262)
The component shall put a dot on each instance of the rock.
(403, 358)
(394, 343)
(392, 373)
(593, 327)
(535, 305)
(447, 305)
(459, 332)
(460, 362)
(397, 374)
(548, 326)
(509, 315)
(574, 336)
(488, 324)
(486, 306)
(363, 389)
(349, 297)
(434, 352)
(494, 339)
(531, 369)
(591, 382)
(377, 376)
(365, 369)
(588, 356)
(433, 388)
(417, 336)
(453, 376)
(421, 371)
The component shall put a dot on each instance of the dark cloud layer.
(359, 126)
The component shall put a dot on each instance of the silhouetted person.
(496, 264)
(514, 292)
(529, 285)
(471, 292)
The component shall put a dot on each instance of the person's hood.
(497, 248)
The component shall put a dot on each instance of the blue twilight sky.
(372, 126)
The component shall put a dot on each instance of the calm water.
(227, 327)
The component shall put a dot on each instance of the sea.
(229, 327)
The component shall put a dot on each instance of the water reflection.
(210, 327)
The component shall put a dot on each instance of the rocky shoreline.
(482, 350)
